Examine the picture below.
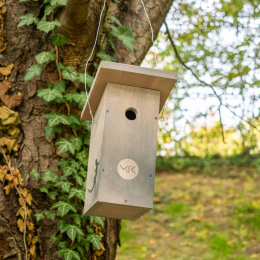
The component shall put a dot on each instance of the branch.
(24, 206)
(201, 81)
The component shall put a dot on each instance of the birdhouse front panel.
(123, 153)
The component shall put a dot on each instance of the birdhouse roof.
(130, 75)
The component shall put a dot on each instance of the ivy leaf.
(50, 130)
(80, 99)
(64, 208)
(72, 231)
(89, 229)
(65, 185)
(89, 79)
(56, 117)
(94, 239)
(58, 2)
(39, 216)
(45, 56)
(62, 244)
(56, 239)
(80, 249)
(70, 97)
(44, 189)
(78, 193)
(49, 94)
(100, 221)
(68, 170)
(62, 162)
(61, 86)
(65, 145)
(74, 119)
(83, 174)
(49, 215)
(77, 142)
(35, 174)
(114, 19)
(77, 219)
(61, 223)
(47, 26)
(69, 73)
(91, 219)
(48, 9)
(58, 39)
(86, 124)
(52, 194)
(79, 180)
(68, 254)
(127, 38)
(106, 57)
(34, 70)
(50, 176)
(28, 19)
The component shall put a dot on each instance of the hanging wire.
(100, 18)
(154, 50)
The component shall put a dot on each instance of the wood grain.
(111, 72)
(125, 139)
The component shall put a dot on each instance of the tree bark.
(35, 152)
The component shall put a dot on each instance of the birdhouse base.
(116, 211)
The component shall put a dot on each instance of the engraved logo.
(127, 169)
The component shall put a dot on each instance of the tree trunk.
(35, 152)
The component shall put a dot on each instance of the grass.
(197, 217)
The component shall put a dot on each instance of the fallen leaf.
(5, 113)
(19, 176)
(32, 250)
(12, 101)
(7, 83)
(122, 50)
(8, 189)
(2, 4)
(9, 177)
(30, 226)
(2, 33)
(24, 192)
(14, 182)
(29, 238)
(2, 46)
(20, 201)
(6, 71)
(3, 11)
(29, 212)
(15, 172)
(28, 198)
(20, 225)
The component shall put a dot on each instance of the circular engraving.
(127, 169)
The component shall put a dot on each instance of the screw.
(156, 118)
(151, 175)
(102, 170)
(107, 111)
(125, 200)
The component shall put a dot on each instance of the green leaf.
(50, 130)
(106, 57)
(61, 86)
(39, 216)
(90, 230)
(77, 218)
(65, 185)
(68, 254)
(94, 239)
(35, 174)
(65, 145)
(47, 26)
(58, 39)
(68, 170)
(58, 2)
(127, 38)
(50, 176)
(80, 249)
(83, 174)
(77, 142)
(28, 19)
(70, 73)
(48, 9)
(70, 97)
(74, 119)
(79, 180)
(78, 193)
(100, 221)
(72, 231)
(56, 118)
(86, 124)
(62, 162)
(56, 239)
(34, 70)
(49, 94)
(49, 215)
(44, 189)
(45, 56)
(89, 79)
(80, 99)
(114, 19)
(62, 244)
(64, 208)
(91, 219)
(52, 194)
(61, 223)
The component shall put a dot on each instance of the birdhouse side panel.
(129, 147)
(94, 160)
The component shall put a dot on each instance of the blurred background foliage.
(219, 43)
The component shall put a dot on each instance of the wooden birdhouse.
(125, 101)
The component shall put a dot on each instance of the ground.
(197, 216)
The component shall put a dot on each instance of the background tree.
(78, 21)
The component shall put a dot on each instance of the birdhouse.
(125, 101)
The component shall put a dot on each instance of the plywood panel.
(111, 72)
